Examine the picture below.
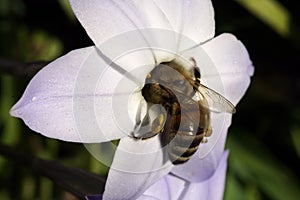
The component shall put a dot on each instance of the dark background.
(264, 138)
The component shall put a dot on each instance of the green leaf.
(254, 164)
(270, 12)
(295, 135)
(234, 189)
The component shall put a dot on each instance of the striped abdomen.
(185, 127)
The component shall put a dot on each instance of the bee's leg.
(204, 140)
(135, 137)
(208, 133)
(157, 127)
(151, 125)
(146, 136)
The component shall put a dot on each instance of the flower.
(92, 95)
(181, 189)
(171, 187)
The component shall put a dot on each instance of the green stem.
(74, 180)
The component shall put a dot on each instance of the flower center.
(186, 122)
(166, 87)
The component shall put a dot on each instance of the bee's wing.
(215, 101)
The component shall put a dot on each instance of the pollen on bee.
(204, 140)
(158, 124)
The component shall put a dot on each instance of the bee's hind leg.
(208, 133)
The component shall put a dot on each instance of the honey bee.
(188, 105)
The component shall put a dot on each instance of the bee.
(188, 105)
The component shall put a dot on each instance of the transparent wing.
(216, 102)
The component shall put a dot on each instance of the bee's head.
(174, 76)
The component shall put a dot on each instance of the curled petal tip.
(15, 111)
(250, 70)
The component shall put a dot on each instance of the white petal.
(156, 24)
(75, 98)
(224, 65)
(226, 68)
(126, 21)
(145, 197)
(169, 187)
(212, 188)
(192, 21)
(136, 166)
(232, 63)
(104, 19)
(188, 23)
(172, 11)
(197, 22)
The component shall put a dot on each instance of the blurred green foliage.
(271, 12)
(264, 139)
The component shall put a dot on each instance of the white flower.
(92, 95)
(172, 187)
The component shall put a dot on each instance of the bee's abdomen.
(187, 121)
(184, 145)
(186, 130)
